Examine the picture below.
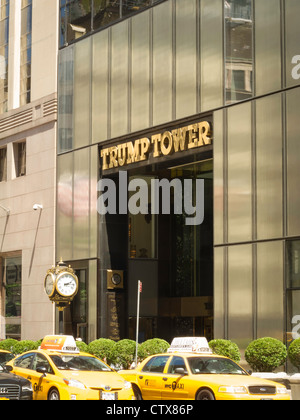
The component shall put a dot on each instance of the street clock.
(61, 284)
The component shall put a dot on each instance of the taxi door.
(150, 377)
(22, 365)
(174, 385)
(41, 383)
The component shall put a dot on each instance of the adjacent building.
(28, 119)
(162, 91)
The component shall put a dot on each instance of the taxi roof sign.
(60, 343)
(190, 345)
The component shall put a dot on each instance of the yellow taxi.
(189, 371)
(58, 371)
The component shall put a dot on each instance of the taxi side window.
(176, 362)
(24, 361)
(156, 364)
(40, 361)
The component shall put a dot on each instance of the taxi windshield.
(211, 365)
(79, 363)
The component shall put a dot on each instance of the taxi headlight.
(233, 389)
(127, 385)
(282, 390)
(74, 383)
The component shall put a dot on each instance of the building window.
(79, 17)
(20, 158)
(10, 297)
(239, 49)
(25, 69)
(3, 164)
(4, 32)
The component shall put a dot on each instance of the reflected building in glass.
(132, 70)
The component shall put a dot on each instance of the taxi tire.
(53, 395)
(205, 395)
(137, 393)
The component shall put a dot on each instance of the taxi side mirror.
(42, 370)
(8, 368)
(181, 371)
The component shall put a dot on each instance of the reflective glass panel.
(239, 173)
(292, 33)
(212, 61)
(100, 77)
(162, 63)
(140, 71)
(293, 167)
(269, 167)
(186, 58)
(267, 46)
(270, 282)
(119, 79)
(64, 225)
(239, 50)
(293, 264)
(240, 299)
(65, 99)
(82, 93)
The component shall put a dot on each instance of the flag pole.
(137, 320)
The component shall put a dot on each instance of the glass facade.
(238, 66)
(239, 50)
(81, 17)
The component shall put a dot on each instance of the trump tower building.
(169, 91)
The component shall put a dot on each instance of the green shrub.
(8, 344)
(266, 354)
(294, 353)
(124, 353)
(82, 346)
(103, 348)
(25, 345)
(225, 348)
(153, 346)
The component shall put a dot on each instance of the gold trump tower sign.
(163, 144)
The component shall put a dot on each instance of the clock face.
(116, 279)
(49, 284)
(66, 284)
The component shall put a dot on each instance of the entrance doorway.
(174, 261)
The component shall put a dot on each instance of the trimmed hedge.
(153, 346)
(103, 348)
(294, 353)
(226, 348)
(19, 347)
(124, 353)
(266, 354)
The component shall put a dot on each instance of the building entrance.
(172, 258)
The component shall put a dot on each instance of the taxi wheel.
(53, 395)
(137, 393)
(205, 395)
